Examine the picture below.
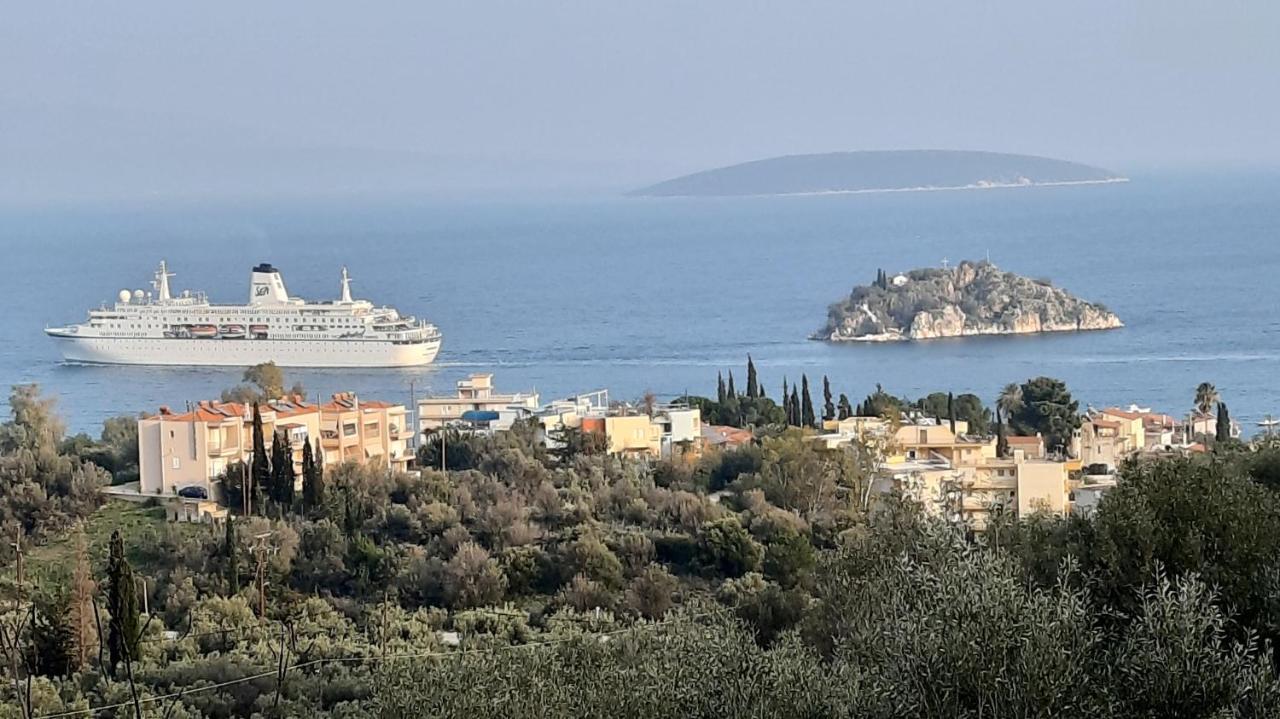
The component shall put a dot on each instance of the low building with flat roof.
(473, 394)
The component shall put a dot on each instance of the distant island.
(973, 298)
(879, 171)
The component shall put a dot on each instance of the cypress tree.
(828, 407)
(233, 557)
(122, 605)
(1002, 441)
(731, 391)
(350, 517)
(1223, 428)
(721, 394)
(753, 384)
(951, 411)
(786, 401)
(260, 472)
(312, 480)
(794, 418)
(845, 411)
(84, 631)
(807, 417)
(282, 474)
(52, 641)
(276, 482)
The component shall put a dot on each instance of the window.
(176, 463)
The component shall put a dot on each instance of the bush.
(727, 548)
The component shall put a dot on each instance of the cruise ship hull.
(244, 352)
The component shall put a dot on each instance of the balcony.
(223, 450)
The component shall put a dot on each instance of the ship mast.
(346, 287)
(161, 282)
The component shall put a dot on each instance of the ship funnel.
(266, 286)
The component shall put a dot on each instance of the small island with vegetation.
(973, 298)
(879, 171)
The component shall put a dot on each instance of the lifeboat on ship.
(258, 331)
(204, 331)
(231, 330)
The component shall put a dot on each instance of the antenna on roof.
(346, 286)
(161, 282)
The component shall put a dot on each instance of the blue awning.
(479, 415)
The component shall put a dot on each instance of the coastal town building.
(1131, 426)
(669, 432)
(475, 401)
(1032, 447)
(1101, 442)
(1109, 436)
(355, 430)
(182, 456)
(957, 475)
(720, 436)
(1206, 423)
(570, 413)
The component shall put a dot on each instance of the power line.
(352, 659)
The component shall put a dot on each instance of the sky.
(156, 98)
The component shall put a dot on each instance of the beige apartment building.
(669, 432)
(182, 456)
(957, 475)
(355, 430)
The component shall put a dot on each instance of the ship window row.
(136, 325)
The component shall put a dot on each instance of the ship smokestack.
(266, 287)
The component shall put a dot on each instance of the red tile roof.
(721, 434)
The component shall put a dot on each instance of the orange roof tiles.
(285, 407)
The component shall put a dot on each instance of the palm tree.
(1207, 397)
(1010, 399)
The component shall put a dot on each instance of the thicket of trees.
(760, 581)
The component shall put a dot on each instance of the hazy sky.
(154, 97)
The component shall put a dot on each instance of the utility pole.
(382, 635)
(17, 550)
(261, 548)
(146, 605)
(247, 484)
(413, 414)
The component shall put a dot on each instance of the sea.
(565, 294)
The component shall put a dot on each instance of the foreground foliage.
(757, 582)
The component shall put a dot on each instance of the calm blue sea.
(565, 295)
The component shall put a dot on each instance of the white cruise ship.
(186, 329)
